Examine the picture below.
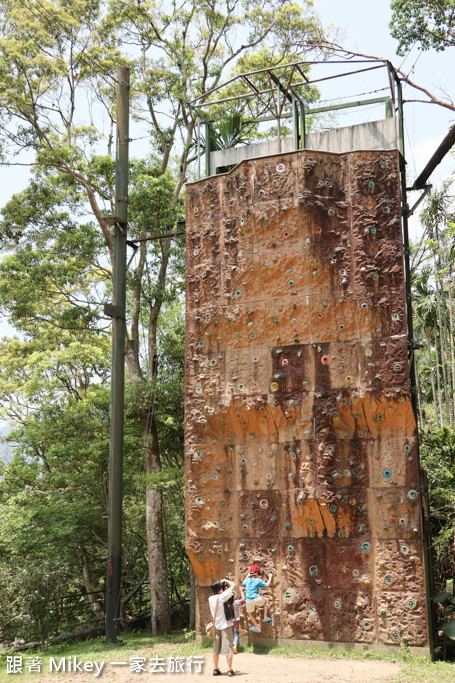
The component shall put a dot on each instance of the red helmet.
(254, 569)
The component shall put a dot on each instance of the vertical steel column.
(295, 123)
(407, 263)
(388, 108)
(207, 149)
(426, 534)
(198, 127)
(302, 126)
(426, 537)
(278, 98)
(407, 274)
(400, 116)
(114, 564)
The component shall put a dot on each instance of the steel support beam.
(117, 310)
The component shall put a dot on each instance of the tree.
(53, 388)
(56, 65)
(438, 459)
(53, 498)
(431, 23)
(433, 291)
(425, 317)
(426, 97)
(53, 490)
(53, 285)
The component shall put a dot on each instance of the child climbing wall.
(300, 439)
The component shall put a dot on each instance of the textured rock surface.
(301, 453)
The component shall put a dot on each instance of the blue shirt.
(252, 587)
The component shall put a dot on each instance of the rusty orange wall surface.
(300, 439)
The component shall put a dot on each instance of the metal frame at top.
(282, 88)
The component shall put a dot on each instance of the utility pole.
(117, 311)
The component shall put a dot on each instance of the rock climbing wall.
(300, 439)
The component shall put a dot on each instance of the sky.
(365, 25)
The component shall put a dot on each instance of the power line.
(407, 55)
(413, 66)
(350, 97)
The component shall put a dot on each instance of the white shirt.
(219, 619)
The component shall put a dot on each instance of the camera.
(224, 585)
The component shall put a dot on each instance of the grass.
(413, 669)
(96, 649)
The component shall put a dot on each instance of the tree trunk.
(438, 380)
(433, 387)
(81, 634)
(88, 583)
(440, 271)
(446, 405)
(452, 341)
(419, 396)
(156, 550)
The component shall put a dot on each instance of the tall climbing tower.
(300, 433)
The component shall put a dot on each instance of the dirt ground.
(251, 668)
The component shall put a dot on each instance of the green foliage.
(57, 102)
(412, 668)
(150, 205)
(187, 51)
(46, 57)
(434, 310)
(53, 262)
(231, 131)
(431, 24)
(54, 385)
(438, 459)
(170, 419)
(241, 115)
(53, 498)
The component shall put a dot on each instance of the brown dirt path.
(251, 668)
